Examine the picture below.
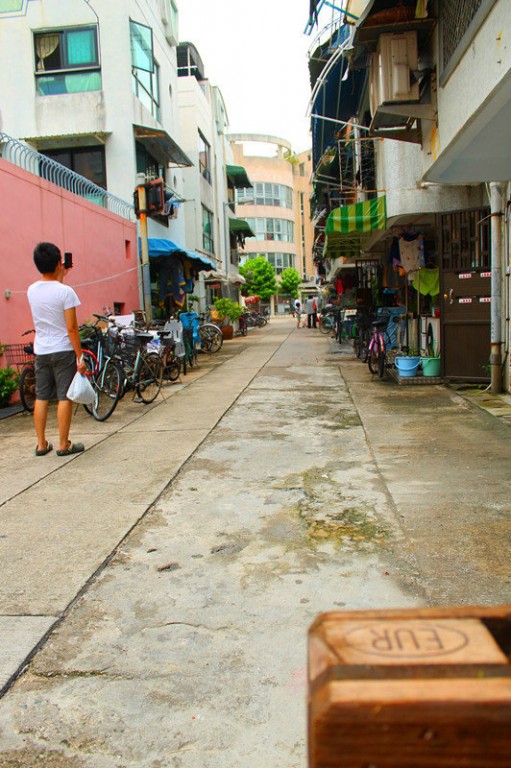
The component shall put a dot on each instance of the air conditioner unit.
(390, 82)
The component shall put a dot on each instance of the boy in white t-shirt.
(57, 347)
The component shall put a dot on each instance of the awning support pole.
(496, 205)
(145, 278)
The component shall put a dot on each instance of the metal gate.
(466, 294)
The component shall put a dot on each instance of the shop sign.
(484, 299)
(485, 274)
(465, 276)
(465, 301)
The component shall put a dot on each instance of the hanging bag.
(81, 390)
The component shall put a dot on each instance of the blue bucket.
(407, 366)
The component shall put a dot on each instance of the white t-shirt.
(48, 299)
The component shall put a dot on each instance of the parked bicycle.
(381, 351)
(142, 371)
(23, 357)
(107, 377)
(210, 335)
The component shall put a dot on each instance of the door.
(466, 294)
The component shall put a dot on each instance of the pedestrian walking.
(312, 313)
(298, 313)
(57, 347)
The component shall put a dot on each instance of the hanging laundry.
(394, 255)
(427, 281)
(411, 253)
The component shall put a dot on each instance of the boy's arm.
(74, 337)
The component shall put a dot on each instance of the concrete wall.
(399, 174)
(104, 248)
(484, 66)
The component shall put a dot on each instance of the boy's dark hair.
(46, 257)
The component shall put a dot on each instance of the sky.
(255, 51)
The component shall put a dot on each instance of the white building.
(96, 88)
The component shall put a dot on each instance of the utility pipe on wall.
(497, 213)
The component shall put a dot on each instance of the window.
(146, 86)
(67, 61)
(141, 40)
(207, 230)
(204, 158)
(266, 193)
(147, 164)
(89, 162)
(459, 23)
(279, 261)
(145, 70)
(272, 229)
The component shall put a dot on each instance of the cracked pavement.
(281, 482)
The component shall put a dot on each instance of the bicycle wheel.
(382, 359)
(243, 326)
(108, 384)
(27, 388)
(326, 324)
(211, 338)
(149, 378)
(171, 366)
(364, 346)
(374, 356)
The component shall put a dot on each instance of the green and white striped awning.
(347, 228)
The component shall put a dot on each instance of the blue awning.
(160, 246)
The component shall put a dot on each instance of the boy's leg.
(64, 416)
(40, 416)
(65, 369)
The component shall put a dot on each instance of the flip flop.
(73, 448)
(43, 451)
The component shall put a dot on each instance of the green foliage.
(289, 282)
(9, 380)
(260, 277)
(227, 308)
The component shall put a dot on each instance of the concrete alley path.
(159, 587)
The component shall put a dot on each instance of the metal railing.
(17, 153)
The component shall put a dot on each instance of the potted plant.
(408, 361)
(228, 311)
(8, 384)
(431, 363)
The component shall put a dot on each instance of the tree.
(260, 277)
(289, 282)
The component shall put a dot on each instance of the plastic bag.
(81, 390)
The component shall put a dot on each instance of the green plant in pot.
(431, 362)
(228, 312)
(8, 385)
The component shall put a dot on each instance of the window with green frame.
(144, 67)
(67, 60)
(141, 40)
(204, 158)
(146, 86)
(207, 230)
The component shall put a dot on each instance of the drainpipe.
(496, 204)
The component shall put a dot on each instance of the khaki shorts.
(53, 375)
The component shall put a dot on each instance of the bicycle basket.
(19, 354)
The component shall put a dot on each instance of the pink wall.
(104, 248)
